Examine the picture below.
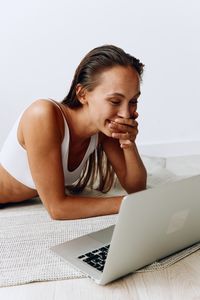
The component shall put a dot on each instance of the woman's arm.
(122, 152)
(42, 134)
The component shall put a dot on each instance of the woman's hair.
(87, 74)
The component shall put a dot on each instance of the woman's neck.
(79, 123)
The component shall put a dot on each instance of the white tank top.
(13, 156)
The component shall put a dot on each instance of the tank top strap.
(58, 105)
(95, 138)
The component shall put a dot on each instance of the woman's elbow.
(63, 211)
(54, 215)
(57, 213)
(57, 216)
(139, 185)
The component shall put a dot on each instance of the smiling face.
(114, 97)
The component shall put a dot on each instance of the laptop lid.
(153, 224)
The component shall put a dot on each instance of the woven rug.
(27, 233)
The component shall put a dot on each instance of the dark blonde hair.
(98, 168)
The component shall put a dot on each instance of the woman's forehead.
(118, 80)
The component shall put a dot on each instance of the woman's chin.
(106, 130)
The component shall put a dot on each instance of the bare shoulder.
(42, 115)
(41, 108)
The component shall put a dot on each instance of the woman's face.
(114, 97)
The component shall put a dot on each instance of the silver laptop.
(151, 224)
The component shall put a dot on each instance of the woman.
(90, 135)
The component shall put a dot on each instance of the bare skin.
(110, 110)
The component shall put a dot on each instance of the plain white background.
(43, 41)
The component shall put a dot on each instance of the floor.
(180, 281)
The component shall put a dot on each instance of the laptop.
(151, 225)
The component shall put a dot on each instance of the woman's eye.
(134, 102)
(115, 102)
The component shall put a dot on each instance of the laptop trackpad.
(103, 235)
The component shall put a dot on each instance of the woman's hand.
(125, 130)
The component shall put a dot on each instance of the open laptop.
(151, 224)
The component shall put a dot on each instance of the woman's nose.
(124, 112)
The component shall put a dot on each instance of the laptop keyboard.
(96, 258)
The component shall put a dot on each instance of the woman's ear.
(81, 93)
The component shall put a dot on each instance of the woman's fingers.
(125, 136)
(123, 127)
(125, 130)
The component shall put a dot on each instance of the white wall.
(42, 42)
